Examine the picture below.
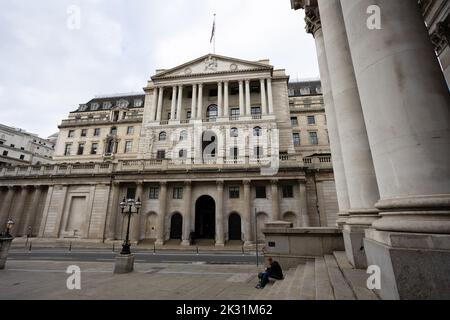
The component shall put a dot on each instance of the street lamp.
(9, 226)
(130, 203)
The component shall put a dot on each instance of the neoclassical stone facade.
(219, 146)
(388, 111)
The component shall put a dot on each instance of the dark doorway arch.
(234, 227)
(176, 226)
(205, 218)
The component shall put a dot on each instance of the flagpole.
(215, 28)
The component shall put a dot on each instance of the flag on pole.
(213, 34)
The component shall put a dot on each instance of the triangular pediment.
(211, 64)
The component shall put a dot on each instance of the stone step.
(341, 288)
(308, 287)
(294, 290)
(356, 278)
(283, 289)
(324, 290)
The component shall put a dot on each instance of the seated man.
(273, 271)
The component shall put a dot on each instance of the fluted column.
(303, 204)
(187, 213)
(179, 103)
(263, 96)
(226, 93)
(174, 103)
(219, 215)
(5, 208)
(160, 104)
(114, 211)
(247, 98)
(200, 102)
(32, 211)
(162, 213)
(18, 211)
(220, 98)
(275, 200)
(154, 107)
(194, 102)
(136, 218)
(241, 99)
(248, 231)
(270, 95)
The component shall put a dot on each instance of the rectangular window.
(288, 191)
(22, 148)
(234, 152)
(213, 92)
(96, 132)
(311, 120)
(258, 152)
(235, 113)
(188, 115)
(154, 193)
(68, 149)
(130, 130)
(131, 193)
(234, 192)
(313, 138)
(80, 149)
(297, 141)
(178, 193)
(22, 157)
(5, 153)
(161, 154)
(71, 134)
(94, 148)
(260, 192)
(294, 121)
(84, 132)
(128, 146)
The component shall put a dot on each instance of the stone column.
(263, 96)
(32, 211)
(18, 211)
(406, 104)
(226, 106)
(270, 95)
(220, 98)
(247, 214)
(247, 98)
(174, 103)
(160, 104)
(241, 99)
(358, 165)
(315, 28)
(200, 102)
(162, 214)
(194, 102)
(303, 204)
(154, 104)
(180, 102)
(5, 213)
(275, 200)
(136, 218)
(114, 210)
(187, 214)
(219, 216)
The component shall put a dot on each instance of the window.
(131, 193)
(154, 193)
(161, 154)
(234, 153)
(256, 112)
(182, 153)
(178, 193)
(162, 136)
(260, 192)
(138, 103)
(113, 130)
(96, 132)
(288, 191)
(258, 152)
(84, 132)
(13, 145)
(128, 146)
(5, 153)
(234, 192)
(94, 148)
(188, 115)
(71, 134)
(297, 141)
(212, 112)
(68, 149)
(257, 132)
(183, 135)
(235, 113)
(313, 138)
(80, 149)
(234, 132)
(22, 148)
(311, 120)
(213, 92)
(130, 130)
(291, 92)
(294, 121)
(1, 142)
(169, 115)
(305, 91)
(22, 157)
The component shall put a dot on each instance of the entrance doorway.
(234, 227)
(205, 218)
(176, 226)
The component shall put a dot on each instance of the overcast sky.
(47, 68)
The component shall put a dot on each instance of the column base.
(124, 264)
(413, 266)
(159, 242)
(249, 243)
(185, 243)
(220, 244)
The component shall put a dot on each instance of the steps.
(330, 277)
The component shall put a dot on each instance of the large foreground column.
(5, 207)
(162, 214)
(248, 237)
(32, 211)
(219, 215)
(187, 214)
(406, 104)
(358, 165)
(136, 218)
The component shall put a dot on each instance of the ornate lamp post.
(130, 203)
(9, 226)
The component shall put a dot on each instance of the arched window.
(234, 132)
(182, 153)
(183, 135)
(212, 112)
(257, 132)
(162, 136)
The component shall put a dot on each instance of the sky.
(57, 54)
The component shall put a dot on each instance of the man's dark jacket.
(275, 271)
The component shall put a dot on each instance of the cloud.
(48, 69)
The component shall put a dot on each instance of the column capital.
(139, 183)
(37, 187)
(163, 183)
(247, 182)
(116, 183)
(274, 181)
(188, 183)
(241, 82)
(312, 19)
(220, 183)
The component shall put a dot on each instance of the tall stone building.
(215, 148)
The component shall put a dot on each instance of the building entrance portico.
(205, 218)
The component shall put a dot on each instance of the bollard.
(29, 249)
(243, 252)
(70, 247)
(197, 250)
(114, 247)
(154, 248)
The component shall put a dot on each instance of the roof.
(295, 88)
(107, 103)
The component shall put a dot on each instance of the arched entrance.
(234, 227)
(176, 226)
(205, 218)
